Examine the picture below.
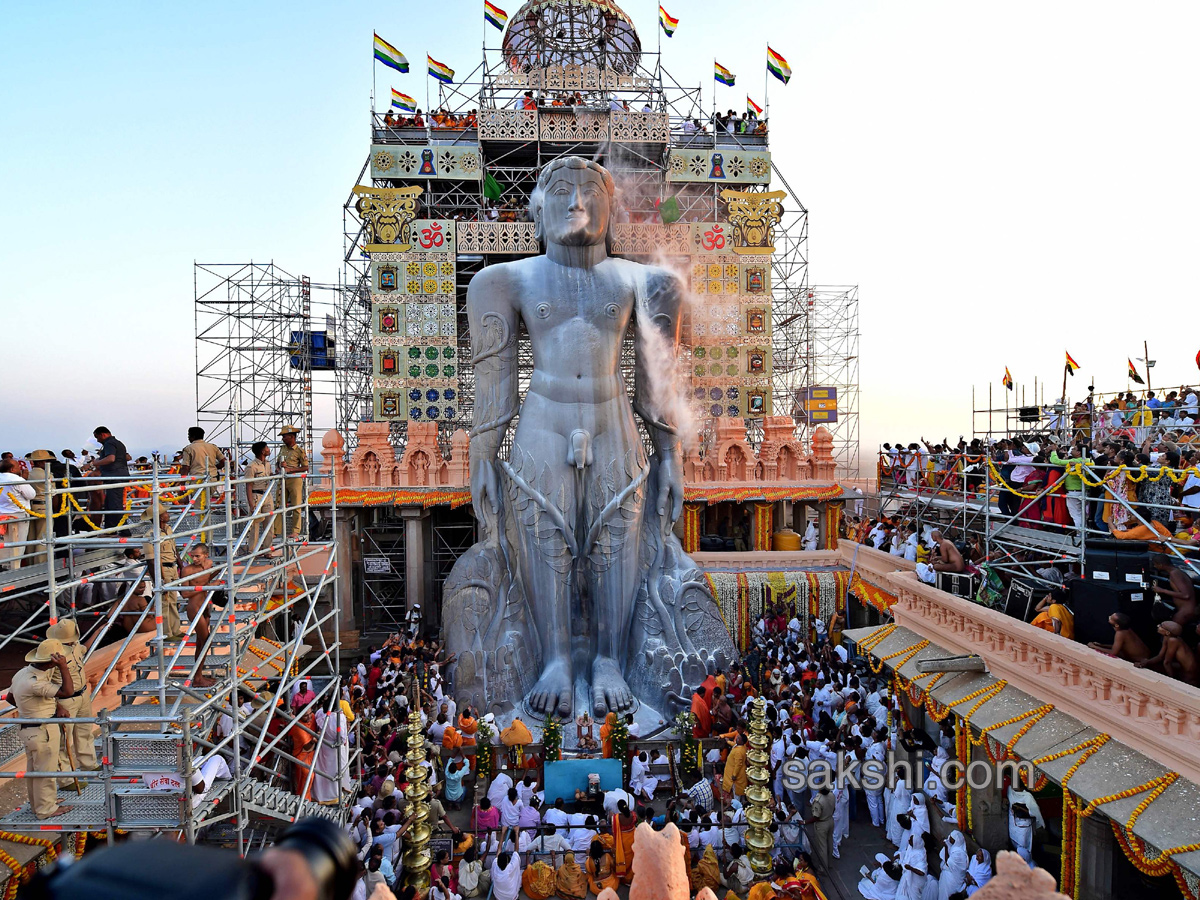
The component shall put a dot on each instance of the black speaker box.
(1117, 562)
(1094, 601)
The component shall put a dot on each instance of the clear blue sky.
(1002, 179)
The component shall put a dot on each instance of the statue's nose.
(576, 200)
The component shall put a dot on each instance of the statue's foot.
(554, 691)
(609, 690)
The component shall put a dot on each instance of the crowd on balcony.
(441, 118)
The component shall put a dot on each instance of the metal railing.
(255, 590)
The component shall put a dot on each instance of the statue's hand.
(670, 487)
(485, 490)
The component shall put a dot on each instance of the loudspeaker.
(1019, 603)
(1029, 413)
(960, 584)
(1117, 562)
(1094, 601)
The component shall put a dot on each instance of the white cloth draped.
(954, 866)
(333, 758)
(506, 883)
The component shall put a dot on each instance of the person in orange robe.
(703, 726)
(451, 739)
(624, 826)
(606, 731)
(304, 748)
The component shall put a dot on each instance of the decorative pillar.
(989, 818)
(831, 516)
(764, 514)
(417, 857)
(691, 527)
(414, 556)
(344, 536)
(759, 841)
(1097, 849)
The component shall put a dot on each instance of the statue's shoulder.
(502, 277)
(657, 278)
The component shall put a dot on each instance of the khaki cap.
(289, 429)
(44, 651)
(64, 630)
(40, 456)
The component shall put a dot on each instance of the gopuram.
(578, 588)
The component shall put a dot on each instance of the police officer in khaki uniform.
(258, 491)
(34, 693)
(199, 458)
(38, 523)
(291, 460)
(79, 705)
(168, 558)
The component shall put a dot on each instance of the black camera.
(161, 869)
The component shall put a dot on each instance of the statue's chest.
(593, 304)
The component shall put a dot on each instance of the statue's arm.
(658, 399)
(493, 319)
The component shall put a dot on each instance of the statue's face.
(575, 208)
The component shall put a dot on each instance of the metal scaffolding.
(814, 333)
(255, 352)
(273, 615)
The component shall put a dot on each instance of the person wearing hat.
(260, 501)
(291, 460)
(38, 522)
(167, 555)
(35, 695)
(79, 704)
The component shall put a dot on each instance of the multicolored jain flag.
(722, 74)
(778, 66)
(1007, 379)
(1071, 364)
(668, 24)
(752, 107)
(495, 15)
(403, 101)
(440, 71)
(389, 55)
(1133, 373)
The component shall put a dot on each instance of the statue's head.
(573, 202)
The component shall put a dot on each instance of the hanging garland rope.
(21, 874)
(1135, 475)
(1072, 825)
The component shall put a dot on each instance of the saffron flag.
(778, 66)
(752, 107)
(668, 24)
(495, 15)
(440, 71)
(403, 101)
(668, 210)
(1133, 372)
(389, 55)
(1071, 365)
(1007, 379)
(722, 74)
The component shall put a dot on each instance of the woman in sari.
(979, 871)
(569, 881)
(707, 872)
(601, 870)
(606, 733)
(304, 748)
(1115, 515)
(624, 826)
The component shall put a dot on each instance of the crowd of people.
(438, 119)
(501, 834)
(95, 502)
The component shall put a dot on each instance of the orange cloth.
(304, 748)
(735, 771)
(606, 730)
(602, 874)
(451, 738)
(623, 846)
(467, 725)
(703, 727)
(537, 881)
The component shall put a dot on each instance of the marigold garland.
(907, 653)
(1072, 824)
(878, 599)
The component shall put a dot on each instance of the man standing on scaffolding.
(292, 461)
(80, 735)
(35, 696)
(258, 491)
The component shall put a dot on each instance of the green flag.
(492, 189)
(668, 210)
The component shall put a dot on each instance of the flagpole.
(713, 117)
(766, 87)
(1146, 350)
(1066, 369)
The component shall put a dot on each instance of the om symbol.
(432, 236)
(714, 239)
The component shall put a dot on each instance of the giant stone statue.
(578, 596)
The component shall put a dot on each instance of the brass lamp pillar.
(417, 857)
(759, 840)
